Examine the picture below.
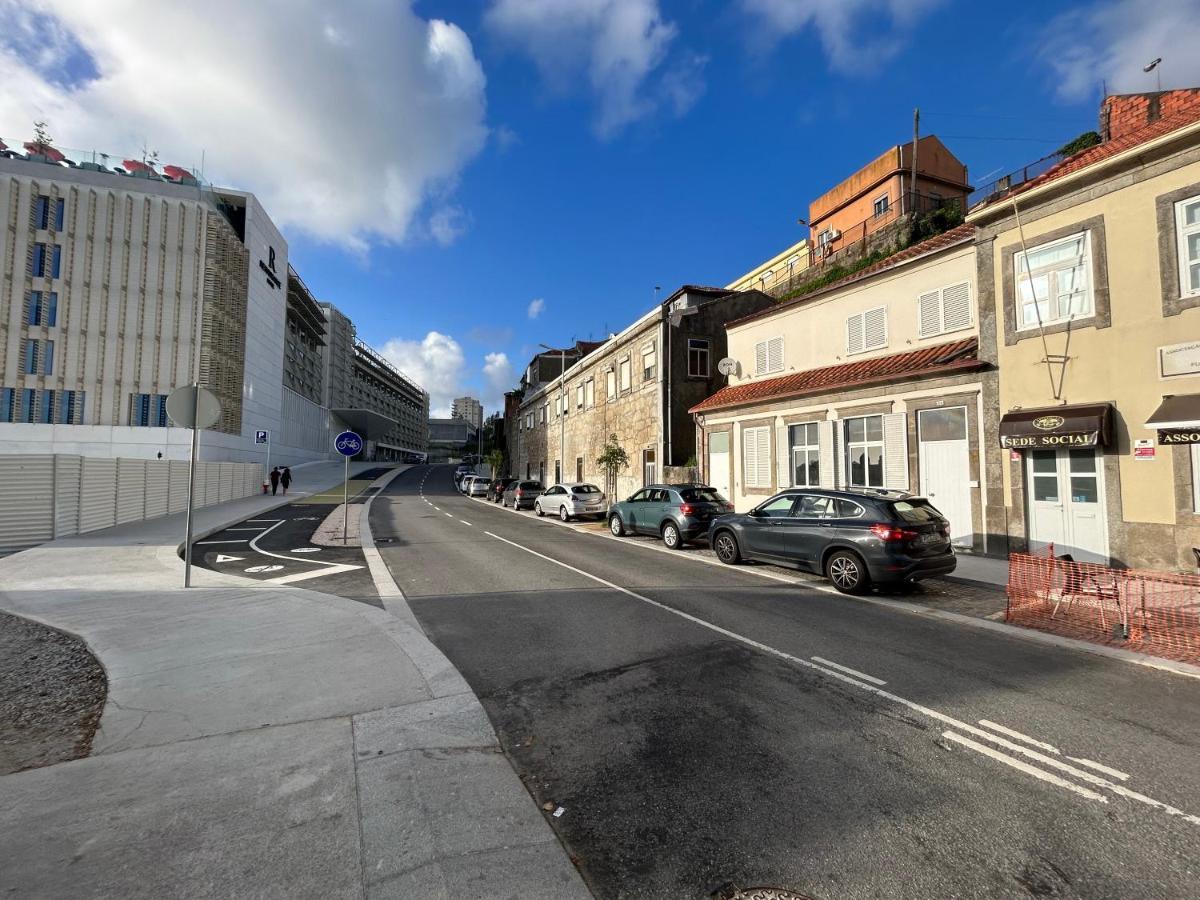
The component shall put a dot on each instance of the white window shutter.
(764, 457)
(749, 457)
(827, 454)
(760, 357)
(956, 306)
(875, 328)
(775, 354)
(895, 451)
(783, 456)
(854, 334)
(929, 314)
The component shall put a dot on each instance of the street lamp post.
(562, 409)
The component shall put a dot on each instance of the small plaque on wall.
(1179, 359)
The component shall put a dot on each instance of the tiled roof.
(957, 235)
(927, 361)
(1109, 148)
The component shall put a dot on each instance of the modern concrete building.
(1089, 279)
(469, 409)
(451, 439)
(303, 362)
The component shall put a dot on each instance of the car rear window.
(531, 485)
(700, 495)
(916, 511)
(585, 489)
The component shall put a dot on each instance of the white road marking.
(307, 550)
(872, 689)
(262, 520)
(244, 529)
(272, 568)
(241, 541)
(330, 569)
(850, 671)
(1049, 748)
(1024, 767)
(221, 557)
(448, 515)
(1115, 773)
(465, 522)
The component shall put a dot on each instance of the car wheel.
(537, 508)
(616, 526)
(563, 514)
(726, 547)
(670, 536)
(847, 572)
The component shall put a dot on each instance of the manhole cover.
(763, 893)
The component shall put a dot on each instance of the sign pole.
(187, 539)
(346, 500)
(267, 476)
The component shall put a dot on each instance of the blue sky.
(585, 151)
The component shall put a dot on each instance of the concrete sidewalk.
(260, 740)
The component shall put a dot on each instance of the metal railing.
(1005, 183)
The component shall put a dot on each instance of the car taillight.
(729, 507)
(890, 533)
(518, 492)
(687, 509)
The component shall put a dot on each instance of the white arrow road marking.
(1015, 749)
(264, 568)
(221, 557)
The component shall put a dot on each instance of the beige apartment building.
(875, 381)
(1091, 273)
(777, 273)
(637, 385)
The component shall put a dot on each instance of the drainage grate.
(759, 893)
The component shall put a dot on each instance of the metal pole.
(267, 475)
(346, 500)
(187, 537)
(562, 419)
(913, 187)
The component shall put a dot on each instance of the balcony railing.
(1002, 185)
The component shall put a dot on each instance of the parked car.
(496, 488)
(477, 486)
(568, 501)
(522, 494)
(460, 473)
(677, 513)
(464, 486)
(855, 538)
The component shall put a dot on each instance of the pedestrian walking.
(285, 479)
(275, 481)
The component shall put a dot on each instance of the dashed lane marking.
(850, 671)
(465, 522)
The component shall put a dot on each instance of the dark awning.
(1059, 426)
(1177, 419)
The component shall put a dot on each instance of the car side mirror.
(756, 512)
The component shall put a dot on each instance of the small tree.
(612, 460)
(495, 459)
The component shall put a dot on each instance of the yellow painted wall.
(1118, 364)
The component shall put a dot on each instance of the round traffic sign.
(348, 443)
(193, 407)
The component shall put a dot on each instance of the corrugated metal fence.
(43, 497)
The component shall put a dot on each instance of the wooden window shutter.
(895, 451)
(929, 314)
(775, 355)
(875, 328)
(956, 307)
(854, 334)
(760, 358)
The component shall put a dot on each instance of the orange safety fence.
(1137, 609)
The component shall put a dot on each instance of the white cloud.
(498, 378)
(856, 35)
(436, 363)
(619, 46)
(448, 223)
(535, 307)
(1110, 42)
(344, 123)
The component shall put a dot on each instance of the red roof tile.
(927, 361)
(957, 235)
(1092, 155)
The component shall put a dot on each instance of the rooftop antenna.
(1152, 66)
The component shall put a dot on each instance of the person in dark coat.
(285, 479)
(275, 480)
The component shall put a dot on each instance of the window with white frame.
(579, 396)
(589, 393)
(864, 451)
(806, 454)
(756, 457)
(1053, 282)
(825, 238)
(610, 384)
(626, 374)
(881, 205)
(949, 309)
(768, 356)
(1187, 222)
(649, 362)
(867, 331)
(697, 358)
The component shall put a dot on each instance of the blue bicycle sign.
(348, 443)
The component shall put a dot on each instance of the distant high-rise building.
(469, 409)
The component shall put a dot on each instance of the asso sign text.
(1179, 435)
(348, 443)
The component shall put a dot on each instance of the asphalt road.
(693, 722)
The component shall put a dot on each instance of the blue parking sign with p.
(261, 437)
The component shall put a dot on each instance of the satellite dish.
(727, 366)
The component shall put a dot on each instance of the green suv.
(677, 513)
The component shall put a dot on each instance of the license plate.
(930, 537)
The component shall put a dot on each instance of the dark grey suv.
(675, 512)
(855, 538)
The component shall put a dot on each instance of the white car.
(568, 501)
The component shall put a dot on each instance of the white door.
(945, 468)
(718, 463)
(1066, 504)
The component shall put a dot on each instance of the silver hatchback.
(569, 501)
